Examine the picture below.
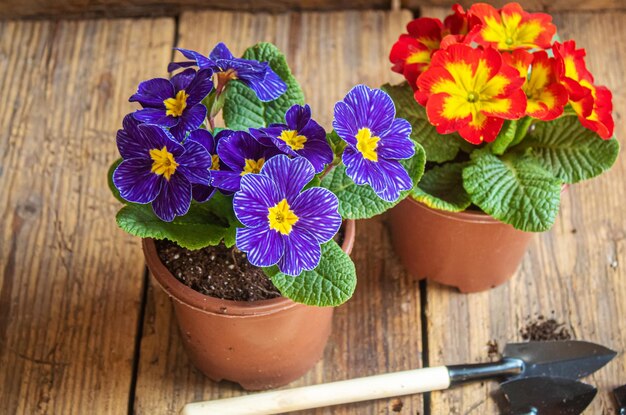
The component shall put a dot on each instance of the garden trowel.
(540, 395)
(559, 359)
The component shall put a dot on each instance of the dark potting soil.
(541, 329)
(493, 350)
(220, 272)
(217, 271)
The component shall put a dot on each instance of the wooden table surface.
(82, 328)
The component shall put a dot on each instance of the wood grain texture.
(532, 5)
(379, 329)
(12, 9)
(127, 8)
(70, 281)
(575, 273)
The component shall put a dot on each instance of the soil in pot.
(217, 271)
(220, 272)
(260, 339)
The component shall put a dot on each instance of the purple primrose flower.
(283, 224)
(365, 119)
(174, 103)
(258, 76)
(158, 169)
(301, 136)
(240, 154)
(203, 192)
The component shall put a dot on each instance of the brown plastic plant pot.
(258, 344)
(468, 250)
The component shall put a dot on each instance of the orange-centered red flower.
(512, 28)
(546, 96)
(593, 103)
(471, 91)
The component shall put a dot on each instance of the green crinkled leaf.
(570, 151)
(332, 283)
(442, 188)
(516, 190)
(505, 138)
(243, 110)
(438, 147)
(361, 202)
(202, 226)
(116, 193)
(222, 207)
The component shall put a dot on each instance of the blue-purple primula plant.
(271, 182)
(258, 76)
(174, 103)
(377, 141)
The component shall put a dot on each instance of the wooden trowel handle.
(355, 390)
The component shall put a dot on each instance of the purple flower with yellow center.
(283, 224)
(174, 103)
(365, 119)
(258, 76)
(239, 153)
(300, 136)
(158, 169)
(203, 192)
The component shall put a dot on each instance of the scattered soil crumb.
(542, 328)
(493, 350)
(217, 271)
(396, 405)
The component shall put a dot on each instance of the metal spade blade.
(561, 359)
(570, 359)
(547, 396)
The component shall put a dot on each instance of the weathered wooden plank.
(116, 8)
(574, 273)
(536, 5)
(126, 8)
(379, 329)
(70, 281)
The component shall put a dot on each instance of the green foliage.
(116, 193)
(442, 188)
(243, 110)
(570, 151)
(330, 284)
(205, 224)
(439, 148)
(361, 202)
(515, 190)
(336, 144)
(505, 138)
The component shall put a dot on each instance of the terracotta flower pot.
(260, 344)
(468, 250)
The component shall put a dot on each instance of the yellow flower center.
(367, 144)
(293, 139)
(253, 166)
(215, 162)
(176, 106)
(472, 97)
(163, 162)
(281, 217)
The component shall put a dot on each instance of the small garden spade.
(548, 368)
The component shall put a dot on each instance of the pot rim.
(464, 216)
(213, 305)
